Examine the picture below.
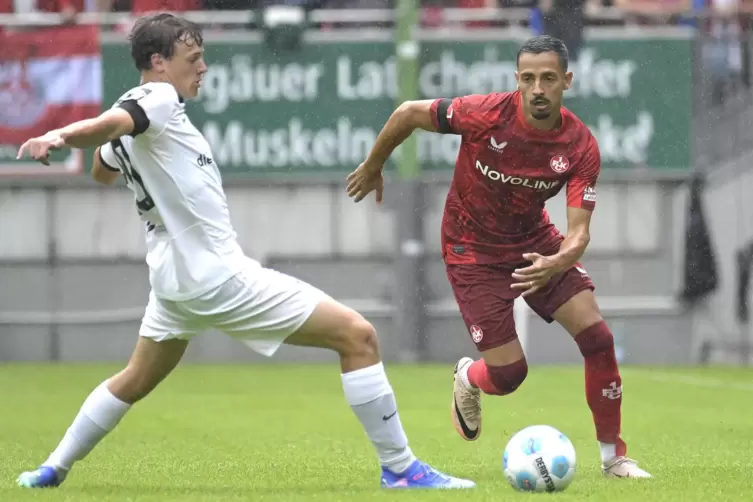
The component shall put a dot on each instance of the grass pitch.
(282, 432)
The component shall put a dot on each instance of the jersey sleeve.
(151, 107)
(465, 115)
(107, 157)
(581, 187)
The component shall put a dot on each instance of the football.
(539, 459)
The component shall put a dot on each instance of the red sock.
(478, 376)
(497, 380)
(603, 383)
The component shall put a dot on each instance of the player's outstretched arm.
(87, 133)
(408, 117)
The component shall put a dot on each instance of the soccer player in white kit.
(199, 276)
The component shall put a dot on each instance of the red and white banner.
(49, 77)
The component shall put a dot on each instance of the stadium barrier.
(635, 305)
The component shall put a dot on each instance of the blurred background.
(297, 91)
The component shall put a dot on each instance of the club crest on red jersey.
(559, 164)
(476, 333)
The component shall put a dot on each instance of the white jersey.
(167, 163)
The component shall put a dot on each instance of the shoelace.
(469, 402)
(430, 474)
(623, 460)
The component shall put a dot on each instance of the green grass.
(279, 432)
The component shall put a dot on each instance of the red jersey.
(505, 171)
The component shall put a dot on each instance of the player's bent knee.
(506, 379)
(341, 329)
(595, 339)
(359, 338)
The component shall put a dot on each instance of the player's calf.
(604, 397)
(367, 390)
(103, 409)
(100, 413)
(497, 380)
(474, 377)
(603, 387)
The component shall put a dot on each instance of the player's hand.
(364, 180)
(40, 148)
(535, 276)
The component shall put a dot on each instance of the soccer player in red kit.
(518, 149)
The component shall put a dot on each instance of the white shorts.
(260, 306)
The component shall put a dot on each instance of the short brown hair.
(158, 34)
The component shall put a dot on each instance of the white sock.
(370, 395)
(99, 414)
(463, 374)
(608, 451)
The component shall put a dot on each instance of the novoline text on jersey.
(515, 180)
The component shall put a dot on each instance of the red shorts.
(485, 299)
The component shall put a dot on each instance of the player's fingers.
(354, 181)
(531, 256)
(534, 267)
(380, 194)
(22, 150)
(530, 291)
(41, 154)
(520, 285)
(524, 286)
(525, 271)
(354, 189)
(528, 274)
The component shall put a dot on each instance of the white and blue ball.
(539, 459)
